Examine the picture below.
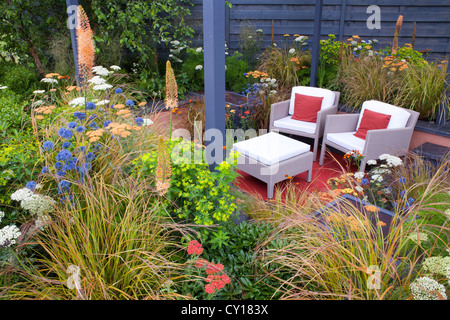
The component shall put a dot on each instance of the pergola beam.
(316, 42)
(214, 70)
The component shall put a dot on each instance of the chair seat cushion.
(399, 116)
(296, 125)
(271, 148)
(328, 96)
(372, 120)
(306, 107)
(347, 140)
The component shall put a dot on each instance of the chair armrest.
(391, 141)
(322, 116)
(278, 110)
(340, 123)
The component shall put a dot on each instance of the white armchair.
(281, 115)
(394, 139)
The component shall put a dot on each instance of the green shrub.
(12, 111)
(234, 73)
(196, 194)
(18, 78)
(242, 263)
(193, 68)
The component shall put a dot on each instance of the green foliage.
(240, 258)
(196, 194)
(234, 73)
(19, 78)
(18, 158)
(193, 68)
(12, 111)
(141, 25)
(25, 26)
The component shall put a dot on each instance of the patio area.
(200, 152)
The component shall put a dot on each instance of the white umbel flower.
(101, 71)
(425, 288)
(77, 102)
(102, 87)
(49, 80)
(103, 102)
(115, 68)
(147, 122)
(8, 235)
(198, 67)
(3, 87)
(292, 51)
(38, 91)
(97, 80)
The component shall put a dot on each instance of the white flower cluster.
(101, 71)
(97, 80)
(33, 203)
(147, 122)
(198, 67)
(49, 80)
(291, 51)
(391, 161)
(418, 236)
(115, 68)
(438, 265)
(3, 87)
(425, 288)
(8, 234)
(38, 91)
(77, 102)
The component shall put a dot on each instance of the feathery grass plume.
(85, 44)
(398, 27)
(163, 168)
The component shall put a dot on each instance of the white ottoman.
(273, 157)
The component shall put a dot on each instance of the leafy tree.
(27, 25)
(140, 25)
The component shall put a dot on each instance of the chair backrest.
(328, 96)
(400, 117)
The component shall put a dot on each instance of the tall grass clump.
(349, 253)
(365, 79)
(116, 236)
(422, 89)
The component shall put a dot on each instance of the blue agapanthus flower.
(65, 133)
(90, 106)
(80, 129)
(364, 181)
(72, 125)
(48, 145)
(94, 125)
(60, 173)
(139, 121)
(31, 185)
(64, 186)
(44, 170)
(118, 90)
(90, 156)
(82, 149)
(71, 163)
(58, 165)
(66, 145)
(106, 123)
(79, 115)
(129, 103)
(402, 180)
(63, 155)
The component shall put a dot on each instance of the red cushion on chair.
(371, 120)
(306, 107)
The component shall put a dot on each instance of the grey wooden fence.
(342, 18)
